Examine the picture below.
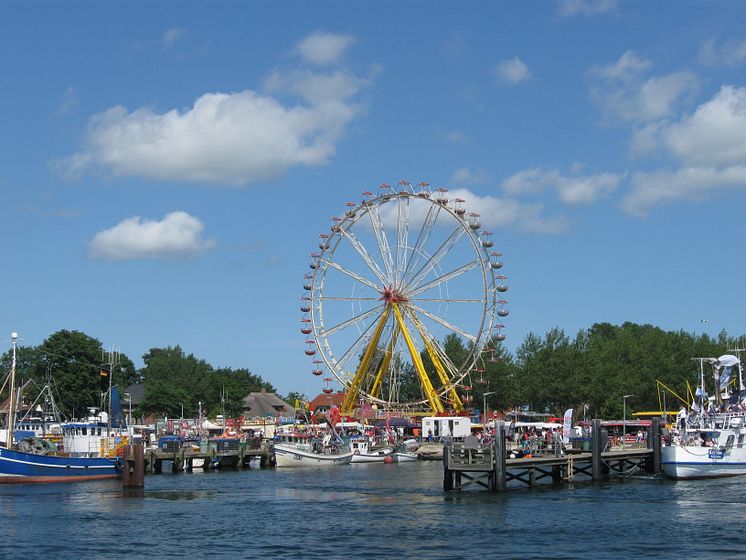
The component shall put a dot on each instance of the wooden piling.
(500, 483)
(596, 450)
(133, 475)
(654, 443)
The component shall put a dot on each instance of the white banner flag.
(567, 426)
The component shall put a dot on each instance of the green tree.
(75, 360)
(183, 380)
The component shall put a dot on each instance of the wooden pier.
(210, 455)
(221, 454)
(490, 468)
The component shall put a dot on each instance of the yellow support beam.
(660, 384)
(354, 390)
(375, 390)
(458, 406)
(432, 396)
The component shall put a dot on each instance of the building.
(263, 404)
(324, 401)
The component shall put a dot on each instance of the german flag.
(104, 376)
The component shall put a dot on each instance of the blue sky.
(166, 167)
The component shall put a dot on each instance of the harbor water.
(371, 511)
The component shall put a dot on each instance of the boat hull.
(405, 457)
(289, 456)
(19, 467)
(690, 462)
(371, 457)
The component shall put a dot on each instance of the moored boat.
(307, 450)
(363, 453)
(404, 456)
(36, 460)
(18, 466)
(708, 441)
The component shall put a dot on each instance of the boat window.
(740, 440)
(729, 442)
(85, 431)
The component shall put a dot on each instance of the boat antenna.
(12, 403)
(113, 360)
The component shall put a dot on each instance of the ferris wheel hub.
(391, 295)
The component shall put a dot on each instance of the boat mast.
(701, 384)
(113, 360)
(12, 402)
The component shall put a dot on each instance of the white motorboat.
(405, 456)
(306, 450)
(709, 440)
(363, 453)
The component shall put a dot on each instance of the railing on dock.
(490, 467)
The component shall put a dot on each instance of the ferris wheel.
(402, 299)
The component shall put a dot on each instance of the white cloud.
(495, 212)
(170, 36)
(715, 134)
(584, 190)
(529, 181)
(69, 101)
(693, 184)
(710, 145)
(323, 48)
(226, 138)
(586, 7)
(731, 53)
(465, 176)
(628, 68)
(624, 92)
(454, 136)
(508, 213)
(579, 189)
(512, 71)
(177, 236)
(314, 87)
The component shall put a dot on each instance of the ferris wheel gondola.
(401, 274)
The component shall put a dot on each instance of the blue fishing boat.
(18, 466)
(35, 460)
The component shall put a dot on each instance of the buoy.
(388, 459)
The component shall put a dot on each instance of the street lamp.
(624, 419)
(484, 405)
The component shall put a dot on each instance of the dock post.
(596, 450)
(654, 443)
(447, 473)
(500, 456)
(134, 454)
(126, 473)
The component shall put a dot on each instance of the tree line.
(592, 371)
(589, 372)
(175, 382)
